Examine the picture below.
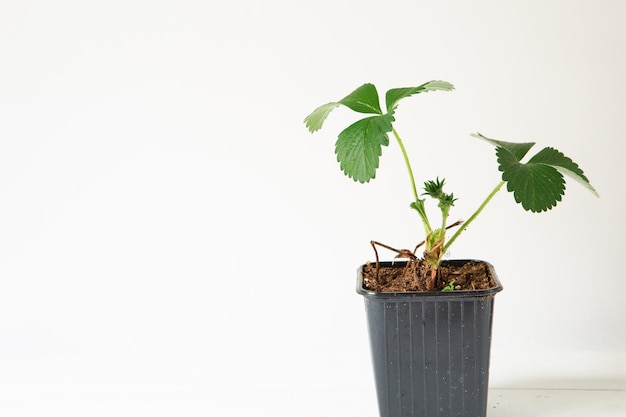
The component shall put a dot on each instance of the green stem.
(472, 217)
(412, 178)
(445, 212)
(407, 162)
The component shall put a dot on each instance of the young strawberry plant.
(537, 182)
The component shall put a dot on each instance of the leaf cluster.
(539, 184)
(359, 146)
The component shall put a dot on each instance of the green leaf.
(363, 100)
(359, 147)
(394, 95)
(563, 164)
(315, 120)
(519, 150)
(536, 186)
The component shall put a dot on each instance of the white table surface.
(203, 383)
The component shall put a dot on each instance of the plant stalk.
(412, 178)
(472, 217)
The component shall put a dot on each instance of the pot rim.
(439, 295)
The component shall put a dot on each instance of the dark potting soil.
(417, 275)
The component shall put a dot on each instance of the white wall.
(172, 239)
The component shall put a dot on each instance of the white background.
(174, 242)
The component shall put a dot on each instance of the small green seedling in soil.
(449, 287)
(537, 183)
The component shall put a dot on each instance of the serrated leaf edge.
(578, 177)
(509, 177)
(315, 120)
(433, 85)
(375, 163)
(509, 146)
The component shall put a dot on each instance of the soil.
(417, 275)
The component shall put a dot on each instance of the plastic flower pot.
(430, 350)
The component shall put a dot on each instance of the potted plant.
(429, 319)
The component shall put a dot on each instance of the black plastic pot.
(430, 350)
